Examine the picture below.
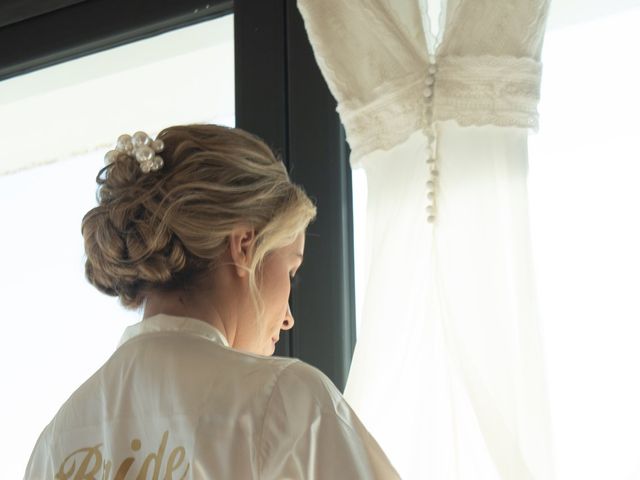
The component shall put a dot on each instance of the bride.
(203, 229)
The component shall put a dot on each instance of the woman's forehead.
(295, 249)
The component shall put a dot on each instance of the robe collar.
(169, 323)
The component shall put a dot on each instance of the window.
(584, 200)
(57, 124)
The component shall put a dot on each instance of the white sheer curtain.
(448, 372)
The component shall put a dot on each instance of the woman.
(204, 230)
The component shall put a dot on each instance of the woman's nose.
(288, 319)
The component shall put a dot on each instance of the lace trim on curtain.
(478, 90)
(488, 90)
(387, 121)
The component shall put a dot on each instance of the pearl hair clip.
(141, 147)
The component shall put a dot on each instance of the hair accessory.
(141, 147)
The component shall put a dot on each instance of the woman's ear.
(241, 243)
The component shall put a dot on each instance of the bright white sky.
(73, 108)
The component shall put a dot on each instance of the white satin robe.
(176, 402)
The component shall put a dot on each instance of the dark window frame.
(280, 96)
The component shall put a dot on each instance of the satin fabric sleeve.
(311, 433)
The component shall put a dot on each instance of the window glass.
(584, 198)
(56, 126)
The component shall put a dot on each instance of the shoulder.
(302, 396)
(302, 393)
(300, 380)
(310, 431)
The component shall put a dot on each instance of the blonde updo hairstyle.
(165, 229)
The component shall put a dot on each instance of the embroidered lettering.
(88, 464)
(156, 458)
(174, 464)
(127, 462)
(91, 463)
